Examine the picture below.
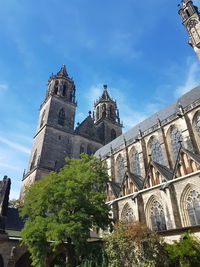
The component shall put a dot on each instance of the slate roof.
(115, 188)
(13, 221)
(196, 157)
(163, 114)
(138, 180)
(166, 172)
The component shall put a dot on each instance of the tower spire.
(191, 20)
(63, 71)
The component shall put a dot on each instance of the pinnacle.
(63, 71)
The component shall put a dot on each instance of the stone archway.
(24, 261)
(1, 261)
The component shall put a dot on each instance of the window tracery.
(61, 117)
(158, 222)
(197, 122)
(127, 213)
(193, 207)
(156, 151)
(135, 162)
(176, 139)
(120, 168)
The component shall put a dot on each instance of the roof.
(151, 121)
(166, 172)
(13, 221)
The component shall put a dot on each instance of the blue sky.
(138, 48)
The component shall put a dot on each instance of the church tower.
(53, 140)
(106, 117)
(191, 20)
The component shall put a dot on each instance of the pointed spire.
(63, 71)
(105, 95)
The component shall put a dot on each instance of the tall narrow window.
(193, 207)
(89, 149)
(156, 151)
(61, 117)
(56, 88)
(42, 119)
(127, 213)
(97, 113)
(82, 150)
(176, 139)
(113, 134)
(197, 122)
(33, 162)
(158, 222)
(135, 162)
(64, 89)
(120, 168)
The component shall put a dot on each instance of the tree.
(185, 252)
(62, 208)
(131, 244)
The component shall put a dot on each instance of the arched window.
(82, 150)
(1, 261)
(42, 119)
(135, 162)
(197, 122)
(61, 117)
(97, 113)
(113, 134)
(127, 213)
(89, 149)
(120, 168)
(104, 110)
(56, 88)
(176, 139)
(33, 162)
(112, 112)
(64, 89)
(156, 151)
(158, 222)
(193, 207)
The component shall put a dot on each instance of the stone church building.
(154, 167)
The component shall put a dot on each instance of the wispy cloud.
(191, 80)
(3, 86)
(15, 145)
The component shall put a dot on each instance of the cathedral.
(154, 168)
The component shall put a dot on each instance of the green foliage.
(94, 256)
(64, 206)
(185, 252)
(132, 244)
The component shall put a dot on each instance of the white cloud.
(15, 145)
(191, 80)
(94, 93)
(3, 86)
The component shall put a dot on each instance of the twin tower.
(56, 137)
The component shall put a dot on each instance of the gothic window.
(64, 89)
(197, 122)
(158, 222)
(135, 162)
(104, 110)
(193, 207)
(112, 112)
(56, 88)
(82, 150)
(113, 134)
(33, 162)
(127, 213)
(61, 117)
(120, 168)
(1, 261)
(97, 113)
(176, 139)
(42, 119)
(191, 24)
(156, 151)
(89, 150)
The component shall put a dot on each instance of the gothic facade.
(154, 168)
